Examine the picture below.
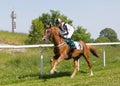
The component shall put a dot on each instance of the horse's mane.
(56, 29)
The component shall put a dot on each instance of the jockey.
(66, 31)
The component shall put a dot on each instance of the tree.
(36, 32)
(38, 25)
(102, 39)
(110, 34)
(51, 17)
(81, 34)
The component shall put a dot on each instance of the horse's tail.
(92, 50)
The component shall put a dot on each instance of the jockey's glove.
(64, 33)
(61, 35)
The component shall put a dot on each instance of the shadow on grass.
(56, 75)
(83, 72)
(27, 75)
(49, 76)
(45, 76)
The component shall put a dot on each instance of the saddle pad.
(78, 45)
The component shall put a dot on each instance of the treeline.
(38, 25)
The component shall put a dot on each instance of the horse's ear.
(50, 25)
(47, 26)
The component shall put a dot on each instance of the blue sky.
(93, 15)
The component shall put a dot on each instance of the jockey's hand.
(61, 35)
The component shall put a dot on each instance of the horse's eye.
(48, 32)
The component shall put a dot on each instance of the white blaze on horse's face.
(46, 36)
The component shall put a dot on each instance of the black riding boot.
(72, 46)
(71, 43)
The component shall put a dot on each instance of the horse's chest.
(56, 50)
(59, 51)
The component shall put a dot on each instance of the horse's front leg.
(76, 68)
(53, 70)
(52, 61)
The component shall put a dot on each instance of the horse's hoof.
(71, 76)
(51, 72)
(91, 74)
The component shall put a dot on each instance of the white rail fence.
(43, 46)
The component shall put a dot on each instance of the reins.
(61, 43)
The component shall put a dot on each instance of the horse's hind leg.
(76, 68)
(89, 63)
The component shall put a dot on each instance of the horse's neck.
(57, 40)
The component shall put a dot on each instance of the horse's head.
(50, 31)
(47, 33)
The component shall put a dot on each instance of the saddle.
(74, 44)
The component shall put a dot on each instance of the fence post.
(104, 56)
(41, 61)
(78, 65)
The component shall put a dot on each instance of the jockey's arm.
(64, 33)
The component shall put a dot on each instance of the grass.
(23, 68)
(12, 38)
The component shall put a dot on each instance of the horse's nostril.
(43, 39)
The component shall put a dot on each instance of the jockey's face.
(59, 24)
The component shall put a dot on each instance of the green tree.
(38, 25)
(81, 34)
(45, 18)
(102, 39)
(110, 34)
(36, 32)
(51, 17)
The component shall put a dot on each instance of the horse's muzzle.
(45, 39)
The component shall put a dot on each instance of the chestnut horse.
(62, 50)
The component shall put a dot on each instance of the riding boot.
(71, 43)
(72, 46)
(71, 51)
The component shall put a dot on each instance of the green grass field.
(22, 68)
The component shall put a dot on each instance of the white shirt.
(67, 30)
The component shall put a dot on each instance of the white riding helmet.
(58, 21)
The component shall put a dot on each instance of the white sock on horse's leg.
(91, 73)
